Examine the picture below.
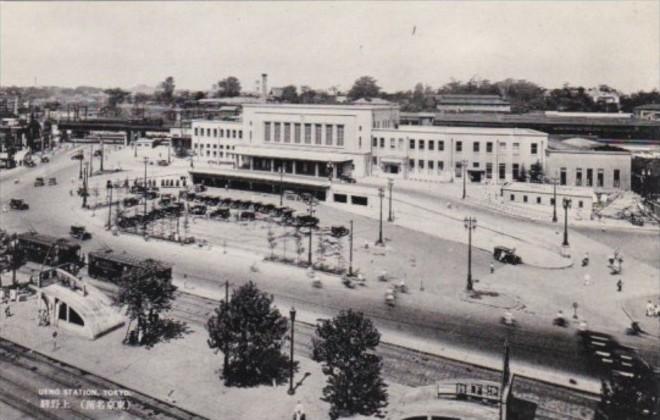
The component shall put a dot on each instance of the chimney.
(264, 86)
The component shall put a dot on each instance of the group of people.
(652, 310)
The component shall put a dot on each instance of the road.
(441, 318)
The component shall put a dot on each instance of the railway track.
(25, 372)
(413, 368)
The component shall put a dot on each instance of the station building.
(214, 141)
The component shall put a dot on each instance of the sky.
(324, 44)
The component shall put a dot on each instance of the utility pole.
(144, 191)
(91, 159)
(109, 187)
(226, 349)
(84, 194)
(309, 248)
(350, 252)
(80, 175)
(292, 314)
(381, 194)
(554, 200)
(470, 224)
(390, 184)
(102, 154)
(464, 166)
(169, 147)
(566, 203)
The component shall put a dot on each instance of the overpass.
(132, 128)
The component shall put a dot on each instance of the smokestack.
(264, 86)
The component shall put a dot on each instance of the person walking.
(492, 268)
(619, 285)
(299, 412)
(54, 340)
(650, 308)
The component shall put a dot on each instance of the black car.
(18, 204)
(45, 159)
(220, 214)
(247, 215)
(130, 201)
(80, 232)
(39, 182)
(198, 210)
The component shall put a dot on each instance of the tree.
(536, 172)
(229, 87)
(629, 398)
(345, 347)
(199, 95)
(116, 96)
(146, 296)
(165, 93)
(290, 94)
(364, 87)
(253, 332)
(140, 98)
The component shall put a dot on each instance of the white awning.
(290, 153)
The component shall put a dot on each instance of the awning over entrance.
(292, 153)
(392, 160)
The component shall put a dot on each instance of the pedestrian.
(492, 268)
(54, 340)
(650, 308)
(585, 259)
(619, 285)
(8, 313)
(299, 412)
(587, 280)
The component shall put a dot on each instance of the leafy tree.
(629, 102)
(345, 347)
(145, 296)
(116, 96)
(199, 95)
(141, 98)
(625, 398)
(165, 93)
(253, 332)
(364, 87)
(229, 87)
(290, 94)
(536, 172)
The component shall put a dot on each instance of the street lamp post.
(554, 200)
(464, 166)
(390, 185)
(350, 252)
(84, 193)
(80, 174)
(91, 159)
(109, 187)
(101, 156)
(144, 192)
(381, 194)
(292, 314)
(566, 203)
(470, 224)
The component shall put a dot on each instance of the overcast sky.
(322, 44)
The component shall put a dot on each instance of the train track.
(414, 368)
(25, 372)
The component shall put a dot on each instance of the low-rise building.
(472, 103)
(649, 112)
(544, 195)
(446, 153)
(584, 162)
(214, 141)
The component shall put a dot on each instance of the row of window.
(218, 154)
(214, 145)
(328, 134)
(588, 180)
(517, 171)
(219, 133)
(539, 200)
(431, 145)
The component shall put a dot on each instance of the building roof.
(273, 177)
(581, 144)
(437, 129)
(648, 107)
(352, 106)
(47, 239)
(371, 101)
(563, 190)
(124, 258)
(539, 118)
(463, 100)
(97, 314)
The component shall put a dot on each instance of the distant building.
(649, 112)
(607, 97)
(584, 162)
(543, 195)
(472, 103)
(214, 141)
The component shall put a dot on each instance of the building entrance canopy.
(292, 154)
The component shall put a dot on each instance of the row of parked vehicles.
(247, 210)
(40, 181)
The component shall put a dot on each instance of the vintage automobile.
(222, 213)
(52, 181)
(78, 156)
(506, 255)
(39, 182)
(80, 232)
(29, 163)
(130, 201)
(18, 204)
(339, 231)
(163, 162)
(306, 220)
(45, 159)
(197, 210)
(636, 220)
(247, 215)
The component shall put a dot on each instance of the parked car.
(45, 159)
(198, 210)
(339, 231)
(39, 182)
(18, 204)
(220, 214)
(130, 201)
(78, 156)
(306, 220)
(52, 181)
(29, 163)
(247, 215)
(79, 232)
(199, 188)
(506, 255)
(163, 162)
(636, 220)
